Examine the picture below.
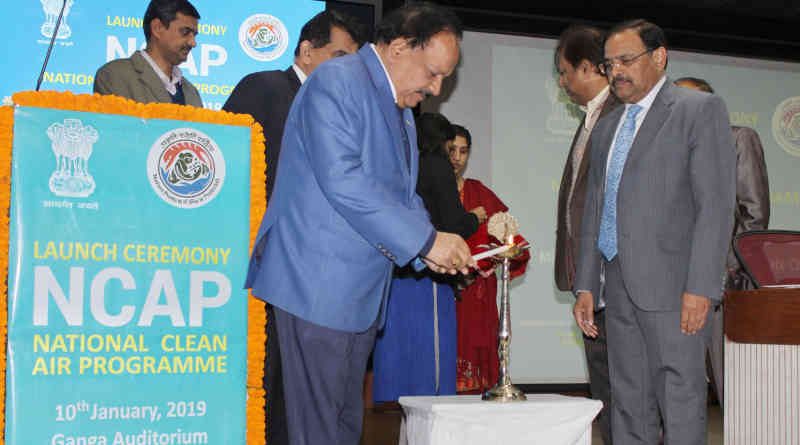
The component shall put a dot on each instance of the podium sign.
(127, 320)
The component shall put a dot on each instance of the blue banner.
(128, 249)
(235, 38)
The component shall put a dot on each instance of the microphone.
(52, 43)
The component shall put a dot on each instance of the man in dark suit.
(656, 229)
(344, 211)
(152, 74)
(578, 53)
(267, 96)
(752, 213)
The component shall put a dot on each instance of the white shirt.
(388, 77)
(169, 84)
(592, 108)
(300, 74)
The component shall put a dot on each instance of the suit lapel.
(149, 78)
(411, 131)
(570, 163)
(191, 94)
(567, 188)
(609, 105)
(294, 81)
(605, 129)
(293, 86)
(391, 114)
(575, 141)
(656, 116)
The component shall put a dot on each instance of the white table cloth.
(547, 419)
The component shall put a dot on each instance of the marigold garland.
(6, 129)
(256, 313)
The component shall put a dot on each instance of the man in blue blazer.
(344, 211)
(267, 96)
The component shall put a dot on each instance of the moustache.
(619, 79)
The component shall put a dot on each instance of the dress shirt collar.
(648, 100)
(594, 106)
(388, 77)
(300, 74)
(169, 84)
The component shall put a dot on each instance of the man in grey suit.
(579, 51)
(152, 75)
(656, 228)
(752, 213)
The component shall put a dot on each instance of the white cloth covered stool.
(546, 419)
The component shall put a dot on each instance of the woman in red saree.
(476, 311)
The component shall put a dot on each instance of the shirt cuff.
(426, 248)
(417, 263)
(601, 302)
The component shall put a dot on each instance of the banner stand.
(78, 333)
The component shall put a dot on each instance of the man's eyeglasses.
(607, 65)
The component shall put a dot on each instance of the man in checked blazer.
(655, 233)
(152, 74)
(577, 55)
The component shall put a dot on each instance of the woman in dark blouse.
(437, 182)
(415, 354)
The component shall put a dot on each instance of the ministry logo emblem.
(263, 37)
(186, 168)
(786, 125)
(72, 143)
(51, 10)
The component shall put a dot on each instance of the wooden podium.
(762, 367)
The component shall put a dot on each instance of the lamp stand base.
(504, 393)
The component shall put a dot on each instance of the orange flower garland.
(256, 313)
(6, 129)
